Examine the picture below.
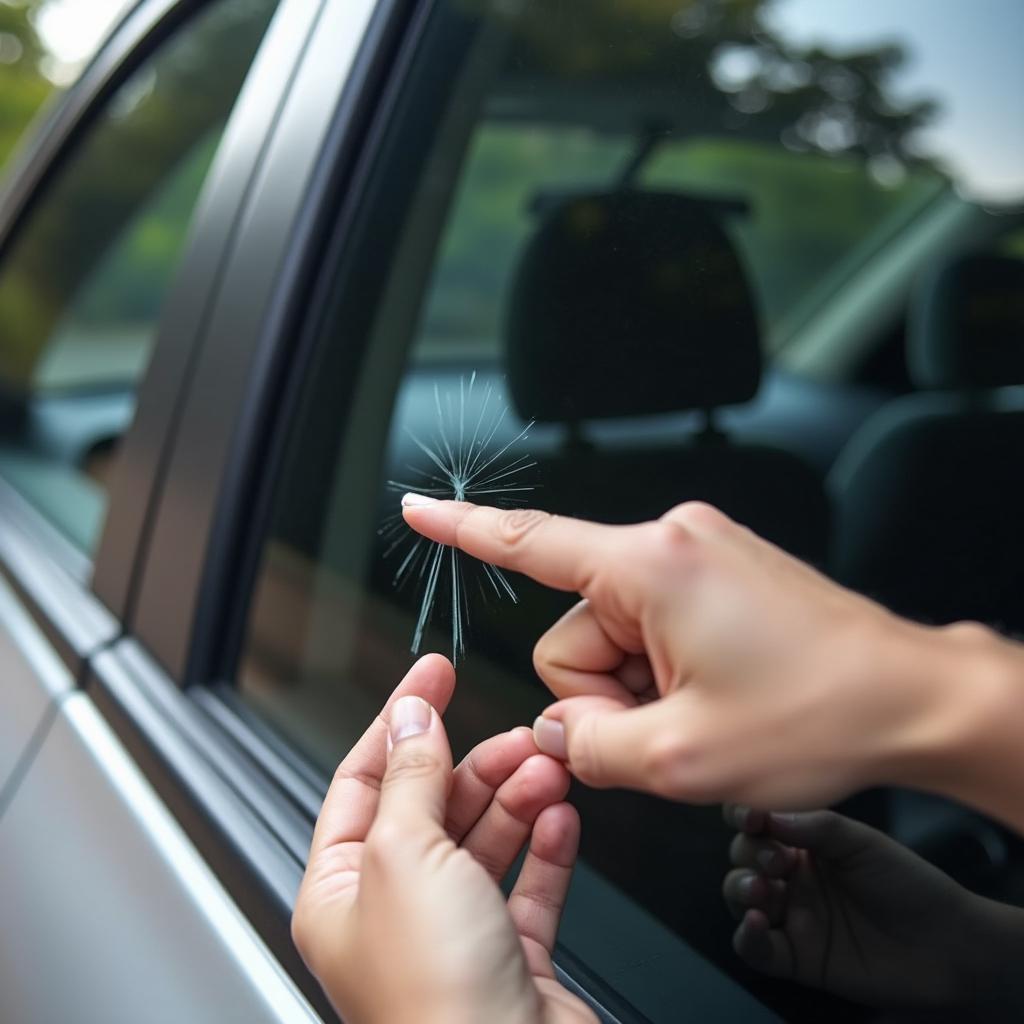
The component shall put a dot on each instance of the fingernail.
(410, 716)
(549, 736)
(746, 885)
(769, 860)
(412, 499)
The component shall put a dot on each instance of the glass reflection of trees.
(132, 182)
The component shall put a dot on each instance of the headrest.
(630, 303)
(966, 326)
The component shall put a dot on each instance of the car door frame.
(82, 604)
(220, 777)
(65, 589)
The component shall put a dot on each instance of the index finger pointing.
(557, 551)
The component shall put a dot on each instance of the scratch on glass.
(462, 462)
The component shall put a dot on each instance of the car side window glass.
(583, 265)
(83, 280)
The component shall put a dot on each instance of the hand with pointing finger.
(705, 664)
(399, 914)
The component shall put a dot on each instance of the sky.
(73, 29)
(965, 53)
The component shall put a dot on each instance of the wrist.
(963, 731)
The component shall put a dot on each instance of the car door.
(113, 229)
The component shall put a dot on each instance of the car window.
(578, 251)
(83, 281)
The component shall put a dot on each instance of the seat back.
(929, 494)
(628, 305)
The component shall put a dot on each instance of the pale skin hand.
(829, 902)
(705, 664)
(399, 914)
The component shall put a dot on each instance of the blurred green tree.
(23, 86)
(697, 96)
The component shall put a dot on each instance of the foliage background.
(23, 85)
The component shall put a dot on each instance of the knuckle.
(544, 656)
(666, 541)
(969, 632)
(493, 864)
(584, 752)
(344, 773)
(515, 525)
(676, 769)
(828, 824)
(739, 850)
(539, 899)
(696, 515)
(411, 765)
(661, 761)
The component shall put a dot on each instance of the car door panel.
(249, 833)
(48, 625)
(99, 869)
(102, 885)
(34, 680)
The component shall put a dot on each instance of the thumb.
(608, 743)
(414, 789)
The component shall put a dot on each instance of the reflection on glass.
(82, 283)
(683, 238)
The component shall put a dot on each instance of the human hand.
(399, 914)
(832, 903)
(705, 664)
(829, 902)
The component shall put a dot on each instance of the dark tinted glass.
(616, 256)
(82, 284)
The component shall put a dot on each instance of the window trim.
(136, 487)
(190, 561)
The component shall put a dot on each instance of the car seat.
(929, 492)
(631, 304)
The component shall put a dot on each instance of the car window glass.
(583, 252)
(82, 283)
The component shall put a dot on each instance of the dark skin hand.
(832, 903)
